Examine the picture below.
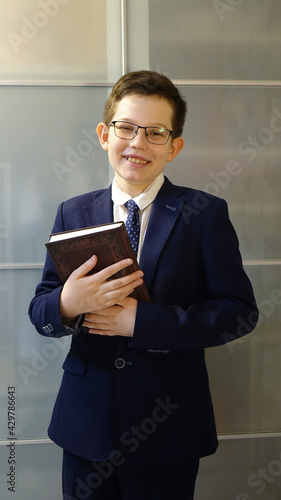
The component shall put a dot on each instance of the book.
(109, 242)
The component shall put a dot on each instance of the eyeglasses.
(128, 131)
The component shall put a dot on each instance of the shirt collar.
(144, 199)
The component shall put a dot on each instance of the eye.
(155, 132)
(125, 126)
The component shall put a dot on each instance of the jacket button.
(119, 363)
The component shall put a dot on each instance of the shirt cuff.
(74, 325)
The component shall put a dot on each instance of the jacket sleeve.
(227, 310)
(44, 309)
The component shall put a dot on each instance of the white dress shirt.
(144, 201)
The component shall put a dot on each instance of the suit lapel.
(166, 209)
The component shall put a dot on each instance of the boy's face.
(137, 162)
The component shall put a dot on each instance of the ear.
(176, 147)
(103, 131)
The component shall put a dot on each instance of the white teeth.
(137, 160)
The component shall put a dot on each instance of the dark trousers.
(84, 480)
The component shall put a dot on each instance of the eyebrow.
(153, 124)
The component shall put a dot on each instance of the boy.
(134, 413)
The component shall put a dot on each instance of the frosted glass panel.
(38, 472)
(245, 374)
(49, 151)
(29, 362)
(248, 469)
(232, 40)
(55, 39)
(233, 150)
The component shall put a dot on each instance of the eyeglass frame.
(171, 133)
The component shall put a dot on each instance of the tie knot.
(132, 206)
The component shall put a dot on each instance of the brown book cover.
(109, 242)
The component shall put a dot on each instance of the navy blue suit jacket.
(154, 404)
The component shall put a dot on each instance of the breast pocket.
(177, 252)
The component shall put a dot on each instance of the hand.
(115, 320)
(82, 293)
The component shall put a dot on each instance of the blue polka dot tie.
(132, 224)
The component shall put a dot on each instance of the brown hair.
(148, 83)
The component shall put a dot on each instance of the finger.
(114, 296)
(114, 268)
(85, 268)
(97, 324)
(95, 318)
(133, 280)
(93, 325)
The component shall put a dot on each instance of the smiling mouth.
(138, 161)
